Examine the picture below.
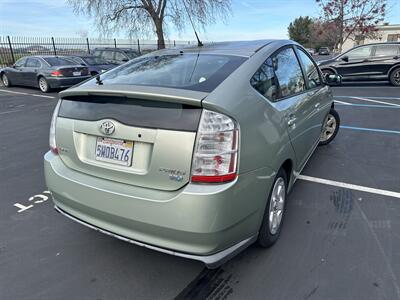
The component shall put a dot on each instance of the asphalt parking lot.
(340, 239)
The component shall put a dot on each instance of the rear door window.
(279, 76)
(33, 63)
(120, 56)
(288, 72)
(108, 55)
(386, 50)
(198, 72)
(359, 53)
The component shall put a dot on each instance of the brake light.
(52, 135)
(56, 73)
(216, 149)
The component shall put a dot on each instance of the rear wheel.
(331, 128)
(395, 77)
(274, 211)
(43, 85)
(5, 80)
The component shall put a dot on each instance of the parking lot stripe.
(21, 93)
(370, 129)
(350, 186)
(373, 97)
(340, 103)
(376, 101)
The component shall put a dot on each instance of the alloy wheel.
(43, 84)
(277, 205)
(396, 77)
(329, 130)
(5, 80)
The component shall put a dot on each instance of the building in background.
(386, 33)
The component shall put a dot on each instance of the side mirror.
(333, 79)
(345, 58)
(13, 66)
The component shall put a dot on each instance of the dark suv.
(116, 55)
(379, 61)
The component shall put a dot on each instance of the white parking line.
(350, 186)
(21, 93)
(376, 101)
(342, 102)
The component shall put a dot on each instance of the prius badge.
(107, 127)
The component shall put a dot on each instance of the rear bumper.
(211, 261)
(60, 82)
(209, 223)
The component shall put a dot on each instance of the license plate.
(76, 73)
(114, 151)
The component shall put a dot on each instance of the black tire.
(326, 139)
(43, 85)
(394, 77)
(265, 237)
(5, 80)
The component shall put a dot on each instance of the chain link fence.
(13, 48)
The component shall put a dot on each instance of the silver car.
(190, 152)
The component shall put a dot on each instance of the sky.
(251, 19)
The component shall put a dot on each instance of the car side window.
(108, 55)
(264, 81)
(288, 72)
(310, 69)
(387, 50)
(359, 53)
(32, 63)
(279, 76)
(119, 56)
(20, 62)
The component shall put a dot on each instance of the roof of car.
(241, 48)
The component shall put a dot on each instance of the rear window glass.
(202, 72)
(59, 61)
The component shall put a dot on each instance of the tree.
(353, 17)
(300, 30)
(144, 16)
(324, 34)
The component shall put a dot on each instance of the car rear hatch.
(152, 131)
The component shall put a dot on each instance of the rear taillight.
(56, 74)
(216, 150)
(52, 135)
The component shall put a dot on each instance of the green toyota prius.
(191, 151)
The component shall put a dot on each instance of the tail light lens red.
(216, 150)
(56, 74)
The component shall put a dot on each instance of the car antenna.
(98, 80)
(199, 43)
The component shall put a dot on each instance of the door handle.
(292, 120)
(317, 105)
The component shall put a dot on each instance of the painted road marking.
(350, 186)
(376, 101)
(370, 129)
(21, 93)
(371, 97)
(340, 103)
(10, 111)
(37, 199)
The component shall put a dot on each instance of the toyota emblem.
(107, 127)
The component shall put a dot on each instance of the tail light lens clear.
(52, 135)
(216, 150)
